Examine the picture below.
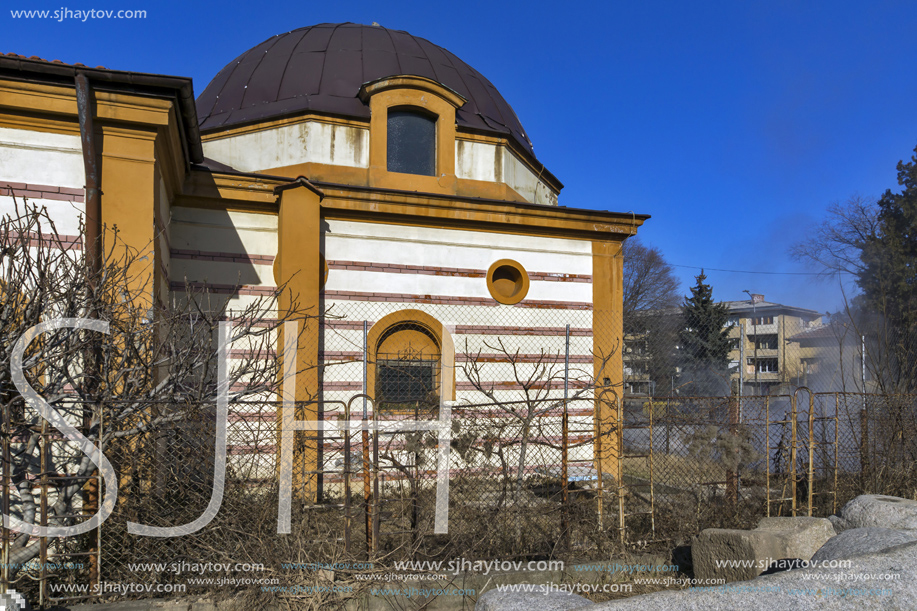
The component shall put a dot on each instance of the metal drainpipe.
(93, 230)
(92, 243)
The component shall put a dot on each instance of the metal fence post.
(565, 425)
(793, 424)
(7, 428)
(811, 452)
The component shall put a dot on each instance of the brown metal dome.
(321, 68)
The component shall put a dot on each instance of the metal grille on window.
(407, 370)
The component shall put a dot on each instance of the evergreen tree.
(888, 277)
(705, 342)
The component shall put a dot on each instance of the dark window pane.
(411, 143)
(405, 381)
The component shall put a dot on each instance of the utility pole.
(754, 324)
(742, 364)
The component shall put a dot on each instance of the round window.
(507, 281)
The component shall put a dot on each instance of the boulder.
(494, 600)
(806, 535)
(810, 589)
(858, 541)
(876, 510)
(736, 555)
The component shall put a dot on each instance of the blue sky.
(733, 123)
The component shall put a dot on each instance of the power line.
(742, 271)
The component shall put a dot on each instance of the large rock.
(494, 600)
(736, 555)
(806, 535)
(859, 541)
(875, 510)
(809, 589)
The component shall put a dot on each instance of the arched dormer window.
(411, 146)
(411, 133)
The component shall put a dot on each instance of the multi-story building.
(765, 360)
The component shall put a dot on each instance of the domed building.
(384, 181)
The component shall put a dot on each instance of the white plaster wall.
(222, 231)
(496, 163)
(218, 272)
(66, 215)
(307, 142)
(367, 242)
(478, 161)
(520, 178)
(41, 158)
(354, 241)
(449, 315)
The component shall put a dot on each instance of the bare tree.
(651, 314)
(835, 245)
(538, 378)
(155, 370)
(649, 280)
(844, 243)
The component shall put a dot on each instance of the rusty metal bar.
(652, 510)
(837, 432)
(619, 405)
(600, 501)
(377, 508)
(7, 483)
(565, 426)
(811, 473)
(347, 517)
(767, 452)
(793, 420)
(93, 246)
(43, 508)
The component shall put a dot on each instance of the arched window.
(407, 369)
(411, 147)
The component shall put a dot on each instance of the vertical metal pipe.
(7, 482)
(754, 322)
(93, 197)
(652, 475)
(767, 451)
(367, 489)
(347, 517)
(377, 502)
(43, 508)
(836, 432)
(620, 466)
(811, 484)
(793, 418)
(92, 244)
(566, 363)
(565, 425)
(742, 365)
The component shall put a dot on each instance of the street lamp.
(754, 324)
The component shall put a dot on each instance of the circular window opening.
(507, 281)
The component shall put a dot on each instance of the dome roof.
(322, 67)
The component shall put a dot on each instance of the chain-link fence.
(557, 448)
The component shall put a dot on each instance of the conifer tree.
(705, 342)
(888, 277)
